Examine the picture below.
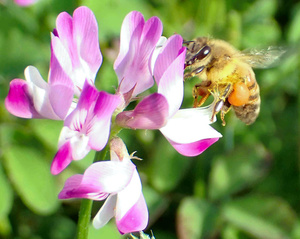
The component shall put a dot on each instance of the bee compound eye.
(203, 53)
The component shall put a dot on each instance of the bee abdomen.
(249, 112)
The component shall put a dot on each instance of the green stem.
(84, 218)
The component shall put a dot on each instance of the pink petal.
(64, 30)
(87, 100)
(171, 49)
(99, 180)
(190, 125)
(108, 176)
(31, 99)
(195, 148)
(128, 197)
(76, 42)
(168, 72)
(136, 219)
(138, 40)
(131, 29)
(39, 91)
(98, 127)
(62, 159)
(86, 38)
(71, 190)
(61, 88)
(189, 131)
(150, 113)
(71, 183)
(18, 101)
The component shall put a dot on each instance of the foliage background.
(244, 186)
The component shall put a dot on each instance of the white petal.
(39, 90)
(162, 40)
(129, 196)
(106, 212)
(190, 125)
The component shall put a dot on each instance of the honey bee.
(227, 74)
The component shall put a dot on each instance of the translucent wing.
(264, 58)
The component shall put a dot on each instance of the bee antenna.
(187, 42)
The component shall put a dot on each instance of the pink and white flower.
(188, 131)
(86, 128)
(76, 46)
(35, 98)
(137, 43)
(119, 182)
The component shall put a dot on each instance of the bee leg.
(217, 107)
(225, 109)
(202, 90)
(201, 101)
(222, 118)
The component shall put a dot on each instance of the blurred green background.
(244, 186)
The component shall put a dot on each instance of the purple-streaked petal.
(136, 218)
(88, 97)
(99, 180)
(131, 209)
(161, 42)
(86, 39)
(138, 40)
(31, 96)
(61, 88)
(18, 101)
(169, 51)
(150, 113)
(168, 72)
(62, 159)
(71, 183)
(106, 212)
(79, 142)
(131, 29)
(129, 196)
(99, 125)
(71, 190)
(195, 148)
(190, 125)
(75, 45)
(109, 176)
(60, 54)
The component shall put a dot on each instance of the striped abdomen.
(249, 112)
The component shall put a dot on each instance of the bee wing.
(262, 58)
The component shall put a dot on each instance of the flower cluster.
(145, 58)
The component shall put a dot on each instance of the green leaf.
(47, 130)
(293, 35)
(167, 166)
(5, 227)
(262, 217)
(236, 171)
(108, 231)
(30, 175)
(156, 203)
(6, 198)
(196, 218)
